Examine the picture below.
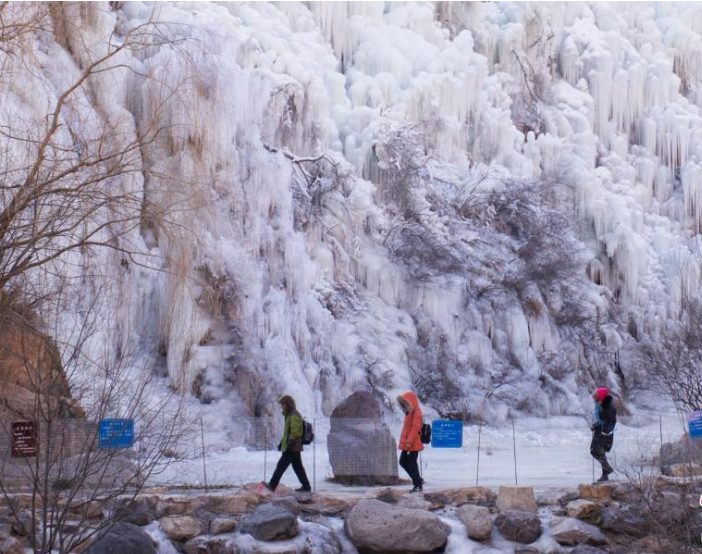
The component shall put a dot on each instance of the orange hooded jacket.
(410, 440)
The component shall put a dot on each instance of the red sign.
(24, 439)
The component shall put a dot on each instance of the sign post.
(447, 433)
(694, 424)
(24, 439)
(116, 433)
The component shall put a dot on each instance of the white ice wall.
(320, 308)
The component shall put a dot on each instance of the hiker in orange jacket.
(410, 440)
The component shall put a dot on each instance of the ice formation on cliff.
(387, 195)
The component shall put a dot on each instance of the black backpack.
(425, 433)
(307, 432)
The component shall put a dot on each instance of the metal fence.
(59, 453)
(363, 452)
(345, 453)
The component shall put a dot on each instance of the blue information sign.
(447, 433)
(694, 424)
(116, 433)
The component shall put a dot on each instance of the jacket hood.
(602, 393)
(409, 400)
(288, 403)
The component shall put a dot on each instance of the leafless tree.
(665, 511)
(69, 189)
(672, 357)
(63, 492)
(65, 186)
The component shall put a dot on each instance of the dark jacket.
(605, 417)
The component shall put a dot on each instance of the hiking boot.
(604, 478)
(270, 489)
(304, 489)
(417, 488)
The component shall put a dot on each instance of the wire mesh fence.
(363, 452)
(58, 453)
(345, 452)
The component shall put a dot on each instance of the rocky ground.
(623, 517)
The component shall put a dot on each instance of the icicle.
(692, 193)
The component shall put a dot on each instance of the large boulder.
(477, 521)
(123, 538)
(626, 521)
(11, 546)
(182, 528)
(378, 527)
(685, 451)
(584, 509)
(31, 372)
(519, 526)
(601, 492)
(271, 523)
(569, 531)
(689, 469)
(460, 496)
(220, 525)
(240, 502)
(362, 450)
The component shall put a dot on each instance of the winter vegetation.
(498, 205)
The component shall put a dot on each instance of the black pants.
(287, 458)
(600, 445)
(408, 462)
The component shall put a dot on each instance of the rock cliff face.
(31, 377)
(494, 204)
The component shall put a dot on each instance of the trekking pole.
(314, 460)
(514, 446)
(204, 457)
(477, 467)
(265, 449)
(660, 452)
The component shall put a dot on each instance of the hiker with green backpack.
(296, 432)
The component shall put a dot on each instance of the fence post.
(204, 456)
(265, 449)
(514, 446)
(477, 467)
(660, 452)
(314, 459)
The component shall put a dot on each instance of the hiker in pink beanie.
(605, 419)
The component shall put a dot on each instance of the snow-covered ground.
(550, 452)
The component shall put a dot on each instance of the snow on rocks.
(375, 527)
